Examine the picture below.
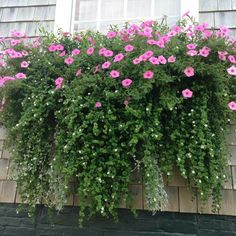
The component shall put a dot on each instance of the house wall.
(218, 13)
(26, 16)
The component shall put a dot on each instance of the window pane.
(112, 9)
(167, 7)
(86, 10)
(86, 25)
(105, 25)
(139, 8)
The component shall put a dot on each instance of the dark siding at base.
(66, 224)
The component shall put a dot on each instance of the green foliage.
(60, 135)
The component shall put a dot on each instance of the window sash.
(65, 14)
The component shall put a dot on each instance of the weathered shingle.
(206, 5)
(224, 5)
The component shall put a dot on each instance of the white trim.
(192, 6)
(63, 15)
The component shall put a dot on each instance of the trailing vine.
(91, 108)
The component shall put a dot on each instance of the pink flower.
(126, 103)
(148, 74)
(232, 70)
(162, 59)
(154, 60)
(204, 52)
(79, 72)
(118, 57)
(171, 59)
(24, 64)
(129, 48)
(52, 48)
(189, 71)
(192, 53)
(147, 32)
(62, 54)
(20, 76)
(222, 55)
(101, 51)
(232, 106)
(14, 42)
(111, 34)
(59, 47)
(108, 53)
(98, 104)
(136, 61)
(106, 65)
(186, 14)
(24, 53)
(75, 51)
(126, 82)
(151, 41)
(58, 82)
(187, 93)
(160, 43)
(90, 51)
(191, 46)
(69, 60)
(232, 59)
(148, 54)
(114, 74)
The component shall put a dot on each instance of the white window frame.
(65, 10)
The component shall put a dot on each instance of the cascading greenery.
(96, 129)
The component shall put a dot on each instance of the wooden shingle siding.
(27, 16)
(218, 13)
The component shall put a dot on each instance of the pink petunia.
(148, 74)
(186, 14)
(58, 82)
(204, 52)
(231, 70)
(62, 54)
(187, 93)
(90, 51)
(171, 59)
(106, 65)
(111, 34)
(232, 106)
(191, 46)
(154, 60)
(78, 72)
(52, 48)
(118, 57)
(136, 61)
(101, 51)
(20, 76)
(222, 55)
(126, 82)
(69, 60)
(114, 74)
(189, 71)
(129, 48)
(192, 53)
(75, 51)
(162, 60)
(108, 53)
(148, 54)
(59, 47)
(24, 64)
(98, 104)
(232, 59)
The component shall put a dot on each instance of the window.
(78, 15)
